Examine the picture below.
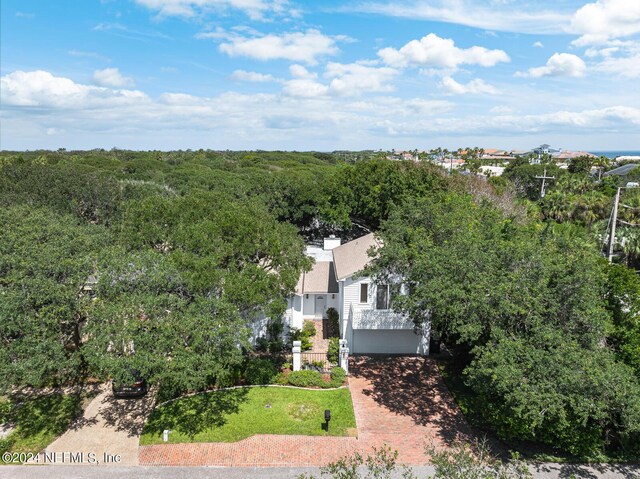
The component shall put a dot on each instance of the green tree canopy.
(45, 259)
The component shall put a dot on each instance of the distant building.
(623, 170)
(492, 170)
(568, 155)
(541, 151)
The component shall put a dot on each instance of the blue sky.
(323, 75)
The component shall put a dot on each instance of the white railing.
(380, 319)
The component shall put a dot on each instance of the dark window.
(364, 292)
(382, 296)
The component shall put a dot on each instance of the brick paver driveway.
(400, 401)
(403, 402)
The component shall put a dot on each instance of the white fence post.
(344, 355)
(297, 360)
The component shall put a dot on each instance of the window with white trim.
(382, 296)
(364, 292)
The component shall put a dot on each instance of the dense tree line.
(547, 330)
(161, 260)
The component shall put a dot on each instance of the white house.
(367, 321)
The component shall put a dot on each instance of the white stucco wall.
(293, 314)
(308, 304)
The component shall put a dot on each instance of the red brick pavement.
(401, 402)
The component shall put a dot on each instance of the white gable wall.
(351, 288)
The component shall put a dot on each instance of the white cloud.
(298, 71)
(501, 110)
(304, 87)
(356, 78)
(83, 54)
(302, 47)
(255, 9)
(242, 75)
(432, 50)
(507, 18)
(559, 64)
(538, 45)
(42, 89)
(345, 79)
(602, 20)
(86, 116)
(476, 86)
(621, 60)
(111, 77)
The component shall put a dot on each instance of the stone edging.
(248, 386)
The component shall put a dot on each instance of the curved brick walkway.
(398, 401)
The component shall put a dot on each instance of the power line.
(544, 177)
(628, 224)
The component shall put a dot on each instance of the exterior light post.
(327, 417)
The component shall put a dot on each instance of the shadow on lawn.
(412, 386)
(194, 414)
(43, 414)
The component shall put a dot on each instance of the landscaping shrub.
(333, 322)
(305, 379)
(282, 378)
(5, 411)
(304, 336)
(260, 371)
(6, 444)
(272, 342)
(338, 375)
(309, 378)
(313, 365)
(334, 350)
(308, 332)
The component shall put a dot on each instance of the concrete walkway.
(109, 429)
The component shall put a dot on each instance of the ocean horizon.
(615, 154)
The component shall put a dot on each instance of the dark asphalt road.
(542, 471)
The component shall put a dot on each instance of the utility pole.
(614, 220)
(544, 177)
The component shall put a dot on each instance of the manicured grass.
(38, 421)
(232, 415)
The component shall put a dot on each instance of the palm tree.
(630, 239)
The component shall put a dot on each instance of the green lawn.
(38, 421)
(232, 415)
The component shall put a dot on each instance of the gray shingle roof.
(351, 257)
(621, 170)
(321, 279)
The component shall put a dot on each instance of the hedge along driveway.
(234, 414)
